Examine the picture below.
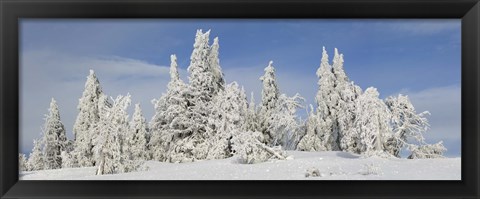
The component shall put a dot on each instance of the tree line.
(207, 118)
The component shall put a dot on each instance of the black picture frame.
(13, 10)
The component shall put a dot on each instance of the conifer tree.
(311, 141)
(372, 123)
(87, 119)
(22, 162)
(345, 116)
(326, 99)
(252, 115)
(214, 62)
(54, 138)
(135, 140)
(200, 93)
(270, 95)
(170, 122)
(111, 129)
(229, 118)
(36, 159)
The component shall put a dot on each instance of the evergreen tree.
(22, 162)
(135, 140)
(407, 124)
(111, 129)
(201, 76)
(202, 88)
(36, 159)
(327, 99)
(200, 93)
(348, 92)
(54, 138)
(87, 119)
(372, 123)
(285, 123)
(229, 118)
(311, 141)
(252, 116)
(270, 95)
(68, 160)
(214, 62)
(170, 123)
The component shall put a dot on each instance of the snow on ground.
(331, 165)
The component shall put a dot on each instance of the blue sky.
(420, 58)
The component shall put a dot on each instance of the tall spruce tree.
(252, 115)
(214, 62)
(326, 99)
(170, 123)
(345, 116)
(109, 153)
(135, 140)
(270, 95)
(87, 119)
(54, 138)
(36, 159)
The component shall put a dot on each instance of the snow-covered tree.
(270, 95)
(22, 162)
(372, 122)
(252, 116)
(135, 140)
(201, 77)
(345, 116)
(68, 160)
(228, 118)
(214, 63)
(54, 138)
(205, 81)
(285, 122)
(87, 119)
(249, 148)
(111, 129)
(407, 124)
(170, 122)
(311, 140)
(200, 92)
(427, 151)
(36, 158)
(327, 124)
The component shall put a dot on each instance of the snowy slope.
(332, 166)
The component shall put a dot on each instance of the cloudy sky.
(419, 58)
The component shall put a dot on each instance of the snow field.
(331, 165)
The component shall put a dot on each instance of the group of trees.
(352, 120)
(209, 119)
(103, 135)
